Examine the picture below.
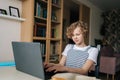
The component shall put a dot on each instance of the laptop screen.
(28, 58)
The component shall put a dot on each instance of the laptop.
(28, 59)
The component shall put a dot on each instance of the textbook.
(72, 76)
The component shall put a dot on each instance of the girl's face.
(78, 36)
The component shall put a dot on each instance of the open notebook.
(73, 76)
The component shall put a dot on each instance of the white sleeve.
(67, 48)
(93, 53)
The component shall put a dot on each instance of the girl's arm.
(84, 70)
(63, 60)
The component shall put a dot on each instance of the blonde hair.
(73, 26)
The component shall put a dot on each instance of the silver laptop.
(28, 58)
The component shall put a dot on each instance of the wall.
(9, 30)
(95, 21)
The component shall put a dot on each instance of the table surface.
(10, 73)
(74, 76)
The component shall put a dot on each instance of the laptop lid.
(28, 58)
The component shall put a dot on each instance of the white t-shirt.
(93, 52)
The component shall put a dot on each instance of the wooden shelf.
(23, 0)
(55, 39)
(41, 18)
(11, 17)
(55, 22)
(39, 38)
(41, 24)
(56, 6)
(43, 1)
(44, 26)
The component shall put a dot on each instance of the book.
(54, 17)
(54, 32)
(43, 48)
(41, 32)
(44, 12)
(55, 2)
(56, 78)
(73, 76)
(39, 10)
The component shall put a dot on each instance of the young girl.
(78, 57)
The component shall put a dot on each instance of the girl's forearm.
(76, 70)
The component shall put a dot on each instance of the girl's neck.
(81, 45)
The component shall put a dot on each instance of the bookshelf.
(85, 16)
(48, 28)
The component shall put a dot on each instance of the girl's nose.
(75, 36)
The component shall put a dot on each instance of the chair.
(96, 68)
(109, 62)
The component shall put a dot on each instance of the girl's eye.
(77, 34)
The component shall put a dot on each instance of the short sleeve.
(67, 48)
(93, 53)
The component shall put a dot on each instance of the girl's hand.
(57, 68)
(47, 65)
